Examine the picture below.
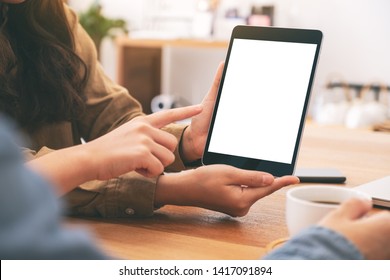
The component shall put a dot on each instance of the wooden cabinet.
(141, 73)
(140, 64)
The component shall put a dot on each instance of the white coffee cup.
(307, 205)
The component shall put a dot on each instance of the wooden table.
(193, 233)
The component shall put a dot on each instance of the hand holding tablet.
(263, 97)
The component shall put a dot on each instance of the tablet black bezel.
(268, 34)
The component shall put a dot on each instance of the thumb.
(354, 208)
(212, 95)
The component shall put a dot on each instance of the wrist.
(165, 190)
(80, 163)
(172, 189)
(74, 159)
(87, 162)
(187, 147)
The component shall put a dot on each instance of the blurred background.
(173, 47)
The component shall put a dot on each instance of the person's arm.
(347, 233)
(220, 188)
(138, 145)
(216, 187)
(369, 232)
(316, 243)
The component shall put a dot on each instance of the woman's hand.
(139, 145)
(195, 136)
(369, 232)
(220, 188)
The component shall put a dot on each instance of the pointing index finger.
(163, 118)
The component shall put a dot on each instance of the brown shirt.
(108, 105)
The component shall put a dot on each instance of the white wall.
(138, 13)
(356, 32)
(356, 36)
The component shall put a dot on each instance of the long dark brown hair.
(42, 79)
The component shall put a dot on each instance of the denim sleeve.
(317, 243)
(30, 215)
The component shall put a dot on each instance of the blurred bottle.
(203, 23)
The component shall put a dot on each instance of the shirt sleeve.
(30, 214)
(317, 243)
(130, 195)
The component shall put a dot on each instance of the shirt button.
(129, 211)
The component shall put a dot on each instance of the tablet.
(263, 97)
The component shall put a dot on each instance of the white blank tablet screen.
(262, 99)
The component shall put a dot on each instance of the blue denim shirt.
(317, 243)
(30, 214)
